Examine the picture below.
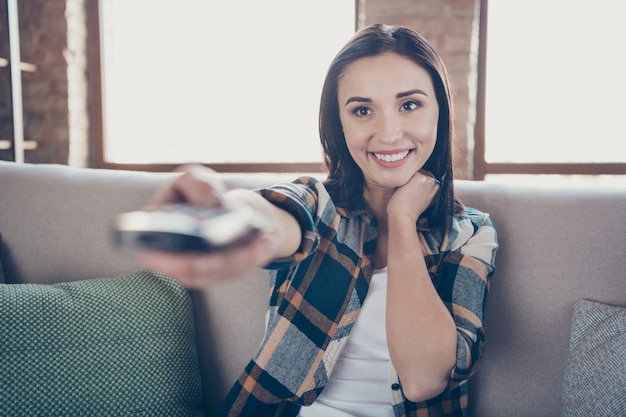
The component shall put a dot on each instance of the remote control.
(183, 228)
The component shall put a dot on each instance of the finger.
(196, 270)
(194, 168)
(193, 186)
(427, 174)
(183, 267)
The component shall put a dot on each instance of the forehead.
(387, 72)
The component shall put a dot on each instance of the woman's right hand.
(197, 185)
(202, 187)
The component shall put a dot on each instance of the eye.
(410, 105)
(361, 111)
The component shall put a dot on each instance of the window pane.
(214, 82)
(555, 81)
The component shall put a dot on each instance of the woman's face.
(389, 113)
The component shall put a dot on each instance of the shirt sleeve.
(465, 274)
(300, 199)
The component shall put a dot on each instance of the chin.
(395, 181)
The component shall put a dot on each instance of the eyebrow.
(411, 92)
(399, 95)
(358, 99)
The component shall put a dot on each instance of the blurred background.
(152, 84)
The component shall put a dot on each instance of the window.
(551, 88)
(234, 85)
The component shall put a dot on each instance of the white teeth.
(391, 157)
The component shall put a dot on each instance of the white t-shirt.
(358, 385)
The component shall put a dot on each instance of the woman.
(378, 274)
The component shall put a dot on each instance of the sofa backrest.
(557, 245)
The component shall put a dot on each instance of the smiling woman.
(389, 117)
(378, 237)
(199, 76)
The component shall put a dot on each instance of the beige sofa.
(558, 245)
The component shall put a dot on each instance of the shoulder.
(472, 218)
(473, 233)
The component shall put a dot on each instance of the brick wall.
(450, 26)
(43, 39)
(53, 38)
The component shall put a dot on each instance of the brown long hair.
(345, 180)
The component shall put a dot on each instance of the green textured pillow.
(121, 346)
(594, 383)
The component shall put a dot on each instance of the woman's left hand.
(414, 197)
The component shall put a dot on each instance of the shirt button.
(395, 386)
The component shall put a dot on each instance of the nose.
(389, 127)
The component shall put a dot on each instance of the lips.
(391, 157)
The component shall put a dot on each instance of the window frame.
(97, 125)
(482, 167)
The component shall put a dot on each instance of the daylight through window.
(555, 82)
(217, 82)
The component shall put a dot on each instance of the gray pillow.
(595, 377)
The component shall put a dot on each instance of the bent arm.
(446, 356)
(465, 277)
(421, 333)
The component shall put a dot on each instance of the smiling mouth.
(391, 157)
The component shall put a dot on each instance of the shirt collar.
(421, 224)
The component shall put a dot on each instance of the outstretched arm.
(202, 187)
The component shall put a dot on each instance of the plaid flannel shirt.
(316, 294)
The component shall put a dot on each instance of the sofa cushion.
(108, 347)
(2, 279)
(595, 376)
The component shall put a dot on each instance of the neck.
(376, 200)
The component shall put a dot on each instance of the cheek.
(354, 137)
(427, 129)
(426, 136)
